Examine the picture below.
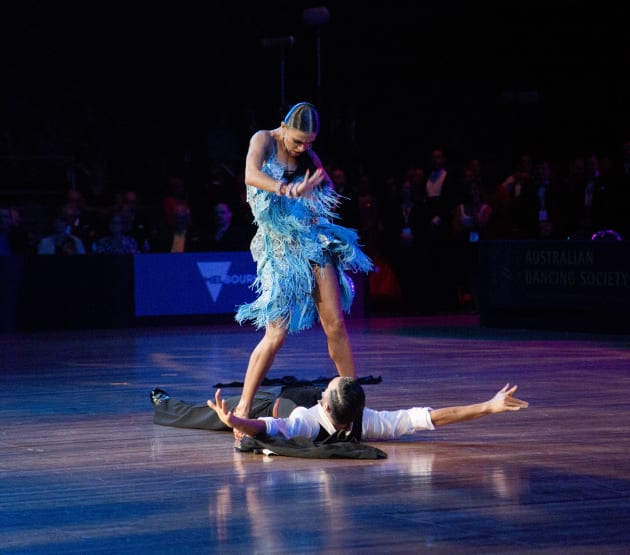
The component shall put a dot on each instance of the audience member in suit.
(437, 199)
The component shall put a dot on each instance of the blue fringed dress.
(292, 234)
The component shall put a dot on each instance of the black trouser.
(180, 414)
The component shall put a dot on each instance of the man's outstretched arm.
(503, 401)
(247, 426)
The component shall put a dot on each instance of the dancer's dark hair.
(303, 116)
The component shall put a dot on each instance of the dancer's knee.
(274, 338)
(335, 329)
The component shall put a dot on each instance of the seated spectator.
(174, 230)
(116, 242)
(97, 206)
(176, 239)
(13, 239)
(175, 203)
(62, 240)
(137, 222)
(223, 235)
(472, 209)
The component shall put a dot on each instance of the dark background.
(145, 87)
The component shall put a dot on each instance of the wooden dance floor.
(84, 469)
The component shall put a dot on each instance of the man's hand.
(220, 407)
(247, 426)
(505, 401)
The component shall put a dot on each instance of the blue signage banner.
(192, 283)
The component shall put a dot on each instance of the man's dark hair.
(347, 401)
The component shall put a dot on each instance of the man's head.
(344, 401)
(222, 215)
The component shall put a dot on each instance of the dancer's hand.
(220, 407)
(305, 188)
(504, 400)
(247, 426)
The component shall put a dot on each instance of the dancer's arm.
(247, 426)
(260, 145)
(503, 401)
(302, 422)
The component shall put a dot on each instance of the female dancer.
(302, 256)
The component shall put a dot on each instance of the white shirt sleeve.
(302, 422)
(393, 424)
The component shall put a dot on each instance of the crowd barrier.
(40, 292)
(567, 285)
(570, 285)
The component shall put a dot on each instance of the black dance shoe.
(158, 396)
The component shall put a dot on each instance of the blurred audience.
(622, 194)
(438, 199)
(116, 242)
(224, 234)
(176, 203)
(348, 209)
(13, 237)
(179, 228)
(98, 202)
(421, 225)
(592, 201)
(62, 241)
(137, 221)
(402, 217)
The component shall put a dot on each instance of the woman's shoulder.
(263, 143)
(263, 136)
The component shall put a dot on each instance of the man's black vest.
(326, 446)
(308, 396)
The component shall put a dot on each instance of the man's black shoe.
(158, 396)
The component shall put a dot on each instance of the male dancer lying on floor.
(340, 412)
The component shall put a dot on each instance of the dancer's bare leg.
(260, 362)
(328, 302)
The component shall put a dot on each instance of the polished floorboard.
(83, 469)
